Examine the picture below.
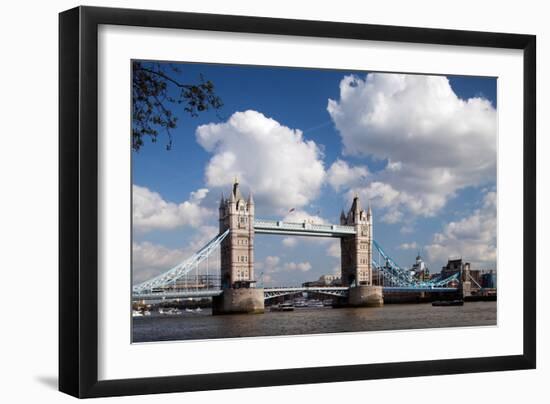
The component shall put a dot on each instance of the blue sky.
(420, 149)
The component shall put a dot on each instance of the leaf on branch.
(152, 106)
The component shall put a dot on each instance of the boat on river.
(197, 310)
(171, 311)
(282, 307)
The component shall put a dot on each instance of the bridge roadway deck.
(281, 291)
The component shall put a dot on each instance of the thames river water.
(202, 325)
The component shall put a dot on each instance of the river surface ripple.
(202, 325)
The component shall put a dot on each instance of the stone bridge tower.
(239, 294)
(357, 250)
(356, 253)
(237, 250)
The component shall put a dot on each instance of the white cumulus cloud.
(433, 142)
(151, 211)
(297, 266)
(272, 264)
(290, 242)
(331, 245)
(409, 246)
(283, 169)
(473, 238)
(299, 216)
(274, 272)
(341, 175)
(151, 259)
(334, 249)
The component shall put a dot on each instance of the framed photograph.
(251, 201)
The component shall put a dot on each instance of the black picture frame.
(78, 201)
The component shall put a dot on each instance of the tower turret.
(357, 249)
(342, 217)
(239, 294)
(237, 250)
(250, 204)
(236, 191)
(356, 205)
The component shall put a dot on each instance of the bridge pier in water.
(356, 258)
(235, 301)
(365, 296)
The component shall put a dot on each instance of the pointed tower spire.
(222, 201)
(356, 206)
(236, 194)
(342, 217)
(250, 198)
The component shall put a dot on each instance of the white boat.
(197, 310)
(315, 303)
(300, 303)
(282, 307)
(171, 311)
(137, 313)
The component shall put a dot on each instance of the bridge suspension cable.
(392, 275)
(396, 276)
(182, 269)
(390, 271)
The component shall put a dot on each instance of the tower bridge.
(237, 291)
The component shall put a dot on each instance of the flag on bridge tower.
(291, 210)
